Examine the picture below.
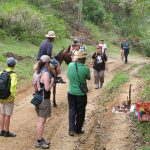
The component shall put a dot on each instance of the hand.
(91, 65)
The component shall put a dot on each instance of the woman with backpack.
(43, 110)
(98, 64)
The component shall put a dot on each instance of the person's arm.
(13, 86)
(93, 59)
(49, 50)
(48, 83)
(104, 57)
(88, 74)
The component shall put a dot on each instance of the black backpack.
(5, 83)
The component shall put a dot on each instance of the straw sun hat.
(79, 54)
(51, 34)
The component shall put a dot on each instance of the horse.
(63, 55)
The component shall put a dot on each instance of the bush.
(25, 22)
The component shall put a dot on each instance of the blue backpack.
(5, 83)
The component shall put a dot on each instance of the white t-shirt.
(104, 47)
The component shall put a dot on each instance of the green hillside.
(23, 24)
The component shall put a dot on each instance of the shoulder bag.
(82, 85)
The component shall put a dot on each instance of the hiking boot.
(43, 144)
(60, 80)
(9, 134)
(71, 133)
(2, 133)
(80, 132)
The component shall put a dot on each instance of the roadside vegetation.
(144, 127)
(112, 87)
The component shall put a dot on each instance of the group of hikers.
(77, 73)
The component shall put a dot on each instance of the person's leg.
(81, 108)
(8, 113)
(126, 52)
(58, 71)
(96, 79)
(40, 127)
(101, 75)
(39, 133)
(72, 112)
(2, 131)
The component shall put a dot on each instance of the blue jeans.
(55, 62)
(77, 107)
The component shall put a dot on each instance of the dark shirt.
(45, 49)
(99, 61)
(125, 46)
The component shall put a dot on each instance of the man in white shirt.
(104, 47)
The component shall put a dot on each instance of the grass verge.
(144, 127)
(111, 88)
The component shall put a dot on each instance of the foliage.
(25, 22)
(94, 30)
(93, 11)
(144, 74)
(113, 85)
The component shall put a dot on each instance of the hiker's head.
(11, 62)
(80, 56)
(43, 62)
(51, 35)
(102, 41)
(75, 46)
(99, 49)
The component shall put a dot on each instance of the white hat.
(45, 58)
(79, 54)
(51, 34)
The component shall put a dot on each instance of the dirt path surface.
(104, 129)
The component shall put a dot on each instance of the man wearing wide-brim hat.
(77, 74)
(46, 49)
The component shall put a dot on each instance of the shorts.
(44, 109)
(6, 108)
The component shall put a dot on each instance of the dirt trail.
(56, 130)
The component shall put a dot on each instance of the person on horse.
(125, 47)
(46, 49)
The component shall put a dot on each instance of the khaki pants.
(98, 76)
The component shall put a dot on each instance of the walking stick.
(129, 100)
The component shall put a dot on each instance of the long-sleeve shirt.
(13, 87)
(45, 49)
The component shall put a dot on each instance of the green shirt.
(84, 73)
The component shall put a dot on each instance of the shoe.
(101, 85)
(71, 133)
(80, 132)
(97, 87)
(46, 142)
(9, 134)
(42, 145)
(60, 80)
(2, 133)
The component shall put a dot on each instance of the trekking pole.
(129, 100)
